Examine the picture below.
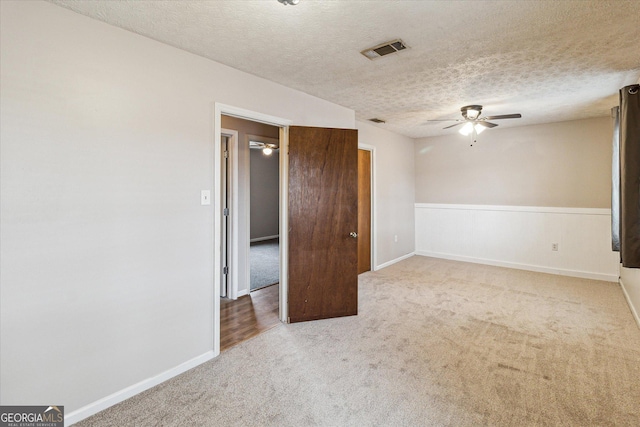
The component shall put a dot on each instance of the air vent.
(376, 120)
(384, 49)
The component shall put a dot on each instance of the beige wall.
(265, 194)
(566, 164)
(246, 178)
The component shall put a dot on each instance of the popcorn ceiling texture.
(549, 60)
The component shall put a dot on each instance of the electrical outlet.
(554, 246)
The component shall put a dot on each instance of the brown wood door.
(323, 211)
(364, 211)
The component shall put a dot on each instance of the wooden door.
(364, 211)
(323, 212)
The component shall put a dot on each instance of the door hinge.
(226, 154)
(225, 270)
(225, 212)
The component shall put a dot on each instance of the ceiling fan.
(473, 123)
(266, 148)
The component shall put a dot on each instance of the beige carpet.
(436, 343)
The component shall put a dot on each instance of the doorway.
(264, 211)
(334, 262)
(364, 210)
(249, 212)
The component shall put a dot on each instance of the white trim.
(631, 306)
(233, 190)
(519, 266)
(374, 247)
(393, 261)
(126, 393)
(262, 239)
(243, 293)
(537, 209)
(241, 113)
(246, 244)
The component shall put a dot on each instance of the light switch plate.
(205, 197)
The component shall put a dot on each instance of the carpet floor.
(435, 343)
(265, 263)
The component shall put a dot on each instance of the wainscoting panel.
(520, 237)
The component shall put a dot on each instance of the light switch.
(205, 197)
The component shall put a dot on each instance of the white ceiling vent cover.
(385, 48)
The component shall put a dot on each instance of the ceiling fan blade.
(457, 124)
(446, 120)
(488, 125)
(503, 116)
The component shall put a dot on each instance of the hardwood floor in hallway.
(248, 316)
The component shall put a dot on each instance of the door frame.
(228, 110)
(372, 150)
(233, 239)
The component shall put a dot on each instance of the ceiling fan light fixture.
(466, 129)
(267, 151)
(291, 2)
(480, 127)
(471, 112)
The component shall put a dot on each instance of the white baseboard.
(122, 395)
(260, 239)
(535, 209)
(393, 261)
(243, 292)
(631, 306)
(528, 267)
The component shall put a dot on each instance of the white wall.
(394, 192)
(106, 253)
(520, 237)
(630, 282)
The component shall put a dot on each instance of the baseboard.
(243, 293)
(122, 395)
(393, 261)
(631, 306)
(528, 267)
(260, 239)
(534, 209)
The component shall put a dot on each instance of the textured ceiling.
(549, 60)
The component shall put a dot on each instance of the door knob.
(353, 234)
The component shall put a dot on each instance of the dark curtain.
(630, 176)
(615, 181)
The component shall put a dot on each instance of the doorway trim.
(232, 136)
(372, 150)
(228, 110)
